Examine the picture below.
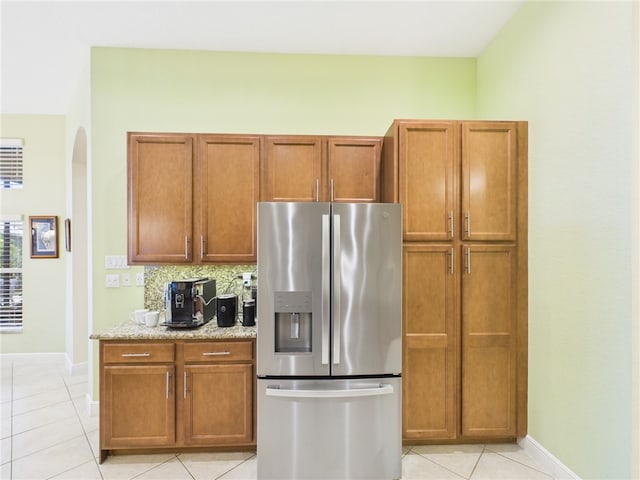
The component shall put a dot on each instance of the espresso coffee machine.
(190, 302)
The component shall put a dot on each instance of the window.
(11, 233)
(10, 163)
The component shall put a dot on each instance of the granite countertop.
(130, 330)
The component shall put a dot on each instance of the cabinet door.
(430, 347)
(427, 167)
(354, 169)
(137, 406)
(294, 170)
(489, 341)
(489, 180)
(160, 203)
(228, 176)
(218, 403)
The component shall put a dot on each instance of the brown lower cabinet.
(430, 363)
(489, 346)
(176, 394)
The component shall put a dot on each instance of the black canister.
(226, 310)
(248, 313)
(254, 295)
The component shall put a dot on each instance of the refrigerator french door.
(329, 348)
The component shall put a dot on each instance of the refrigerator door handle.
(326, 277)
(337, 287)
(356, 392)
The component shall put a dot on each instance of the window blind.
(10, 163)
(11, 233)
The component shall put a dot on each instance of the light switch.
(115, 261)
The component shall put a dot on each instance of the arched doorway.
(77, 336)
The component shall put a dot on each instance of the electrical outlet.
(126, 280)
(112, 280)
(139, 279)
(246, 279)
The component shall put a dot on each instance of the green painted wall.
(197, 91)
(43, 194)
(566, 68)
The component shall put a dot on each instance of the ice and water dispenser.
(292, 322)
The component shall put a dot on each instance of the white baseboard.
(93, 407)
(75, 368)
(546, 459)
(56, 358)
(50, 358)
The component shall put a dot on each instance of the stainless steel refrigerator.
(329, 341)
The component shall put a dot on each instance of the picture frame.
(44, 236)
(67, 234)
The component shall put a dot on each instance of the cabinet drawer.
(138, 352)
(218, 351)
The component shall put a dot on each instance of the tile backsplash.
(225, 276)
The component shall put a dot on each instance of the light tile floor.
(46, 433)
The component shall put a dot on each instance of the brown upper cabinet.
(228, 188)
(191, 198)
(321, 169)
(454, 179)
(427, 179)
(489, 177)
(160, 198)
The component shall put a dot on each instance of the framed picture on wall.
(44, 236)
(67, 234)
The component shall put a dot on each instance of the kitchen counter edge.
(133, 331)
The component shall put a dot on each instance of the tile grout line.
(233, 468)
(523, 464)
(84, 431)
(44, 448)
(46, 422)
(154, 467)
(81, 426)
(185, 467)
(438, 464)
(484, 448)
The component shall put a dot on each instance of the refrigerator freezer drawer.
(329, 429)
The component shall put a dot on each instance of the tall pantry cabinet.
(463, 187)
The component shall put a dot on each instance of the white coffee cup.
(138, 315)
(151, 318)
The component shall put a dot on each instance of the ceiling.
(45, 45)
